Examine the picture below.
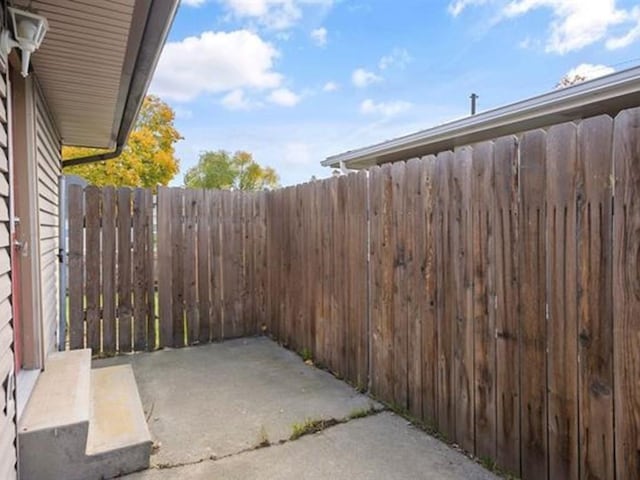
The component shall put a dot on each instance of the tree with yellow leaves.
(148, 159)
(222, 171)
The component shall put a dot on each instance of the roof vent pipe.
(474, 99)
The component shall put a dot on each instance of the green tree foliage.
(148, 159)
(222, 171)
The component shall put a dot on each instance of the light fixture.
(29, 30)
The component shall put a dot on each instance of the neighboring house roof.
(604, 95)
(96, 62)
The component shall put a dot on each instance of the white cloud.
(319, 36)
(274, 14)
(399, 58)
(630, 37)
(387, 109)
(236, 100)
(362, 78)
(330, 87)
(456, 7)
(194, 3)
(575, 24)
(215, 62)
(284, 97)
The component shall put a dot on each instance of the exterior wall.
(48, 158)
(7, 391)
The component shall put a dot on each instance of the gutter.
(156, 30)
(604, 95)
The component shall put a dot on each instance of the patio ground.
(210, 407)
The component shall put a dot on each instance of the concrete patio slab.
(215, 400)
(209, 407)
(382, 446)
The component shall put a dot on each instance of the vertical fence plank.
(263, 256)
(399, 257)
(325, 337)
(125, 309)
(341, 245)
(360, 280)
(164, 263)
(190, 266)
(595, 297)
(445, 301)
(150, 278)
(383, 291)
(228, 273)
(483, 194)
(215, 228)
(248, 239)
(562, 359)
(92, 267)
(204, 265)
(415, 298)
(626, 291)
(532, 258)
(429, 291)
(109, 270)
(463, 319)
(140, 303)
(76, 267)
(507, 318)
(178, 266)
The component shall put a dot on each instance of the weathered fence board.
(92, 267)
(507, 305)
(125, 307)
(140, 275)
(109, 284)
(595, 297)
(626, 293)
(483, 227)
(164, 263)
(562, 360)
(427, 290)
(76, 268)
(177, 267)
(532, 291)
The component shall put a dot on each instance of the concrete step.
(61, 395)
(83, 424)
(118, 439)
(52, 433)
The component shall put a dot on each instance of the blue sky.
(294, 81)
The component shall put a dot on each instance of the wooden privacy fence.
(186, 270)
(492, 292)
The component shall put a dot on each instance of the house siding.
(7, 359)
(48, 158)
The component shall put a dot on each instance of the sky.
(295, 81)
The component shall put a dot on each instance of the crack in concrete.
(310, 427)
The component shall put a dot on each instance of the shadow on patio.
(210, 408)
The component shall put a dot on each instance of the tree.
(148, 159)
(223, 171)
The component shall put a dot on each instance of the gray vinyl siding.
(7, 409)
(48, 157)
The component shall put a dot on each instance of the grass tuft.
(311, 426)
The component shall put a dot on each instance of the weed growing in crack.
(362, 412)
(311, 426)
(306, 354)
